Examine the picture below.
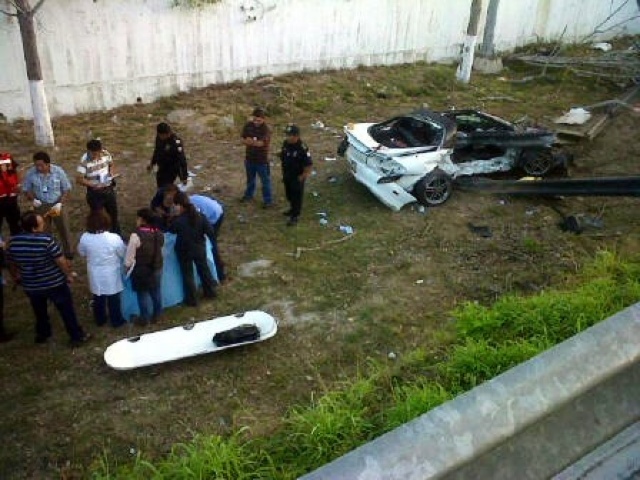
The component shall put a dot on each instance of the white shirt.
(105, 252)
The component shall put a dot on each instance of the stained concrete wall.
(105, 53)
(528, 423)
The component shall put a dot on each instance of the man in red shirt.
(256, 137)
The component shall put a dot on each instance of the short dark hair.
(94, 145)
(29, 221)
(44, 156)
(98, 221)
(258, 112)
(147, 215)
(163, 128)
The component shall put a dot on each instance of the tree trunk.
(41, 118)
(463, 73)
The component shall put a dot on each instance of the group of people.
(43, 266)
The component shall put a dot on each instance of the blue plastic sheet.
(172, 289)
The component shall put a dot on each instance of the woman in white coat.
(105, 253)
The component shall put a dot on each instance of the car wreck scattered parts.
(416, 157)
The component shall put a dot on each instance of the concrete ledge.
(530, 422)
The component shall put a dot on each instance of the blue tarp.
(172, 289)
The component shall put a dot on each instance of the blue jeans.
(150, 301)
(100, 310)
(61, 298)
(264, 172)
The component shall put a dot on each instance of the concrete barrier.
(529, 423)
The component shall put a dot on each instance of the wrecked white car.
(416, 157)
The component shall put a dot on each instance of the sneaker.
(292, 221)
(80, 341)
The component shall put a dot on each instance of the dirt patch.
(340, 303)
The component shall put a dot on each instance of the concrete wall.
(104, 53)
(528, 423)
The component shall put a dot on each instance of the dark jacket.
(150, 251)
(295, 158)
(190, 240)
(169, 156)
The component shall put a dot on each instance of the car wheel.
(434, 189)
(537, 163)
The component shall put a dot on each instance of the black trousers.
(294, 190)
(98, 198)
(197, 256)
(61, 298)
(9, 209)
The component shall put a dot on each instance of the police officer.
(169, 156)
(296, 167)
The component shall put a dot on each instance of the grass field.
(344, 303)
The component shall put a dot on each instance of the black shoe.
(292, 221)
(287, 213)
(245, 199)
(80, 341)
(41, 340)
(7, 336)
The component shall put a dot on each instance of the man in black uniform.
(296, 167)
(169, 156)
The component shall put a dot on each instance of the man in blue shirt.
(48, 187)
(36, 262)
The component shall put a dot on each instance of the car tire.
(434, 189)
(537, 163)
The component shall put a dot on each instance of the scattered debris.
(391, 356)
(602, 46)
(480, 230)
(346, 229)
(299, 250)
(329, 159)
(578, 223)
(317, 125)
(575, 116)
(332, 179)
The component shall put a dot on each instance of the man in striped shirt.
(36, 261)
(96, 172)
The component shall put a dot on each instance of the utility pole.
(41, 119)
(463, 74)
(487, 61)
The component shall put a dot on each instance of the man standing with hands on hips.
(48, 187)
(256, 137)
(296, 167)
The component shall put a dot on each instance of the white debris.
(575, 116)
(603, 46)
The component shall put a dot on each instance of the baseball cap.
(292, 130)
(258, 112)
